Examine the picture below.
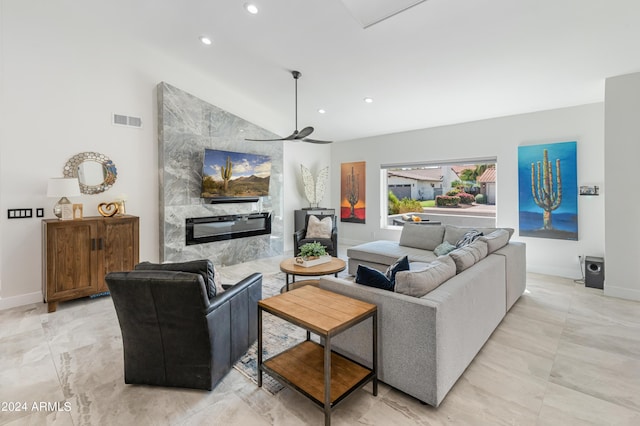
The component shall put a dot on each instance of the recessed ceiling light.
(368, 100)
(205, 40)
(251, 8)
(322, 111)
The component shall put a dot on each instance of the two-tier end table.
(317, 372)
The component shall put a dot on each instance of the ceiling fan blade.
(291, 137)
(304, 132)
(264, 140)
(314, 141)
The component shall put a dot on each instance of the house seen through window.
(458, 193)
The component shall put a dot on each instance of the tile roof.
(430, 174)
(489, 175)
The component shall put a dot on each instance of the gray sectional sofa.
(425, 343)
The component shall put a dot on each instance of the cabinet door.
(119, 246)
(72, 259)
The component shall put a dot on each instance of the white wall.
(314, 157)
(622, 152)
(61, 79)
(500, 138)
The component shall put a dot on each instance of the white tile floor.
(563, 355)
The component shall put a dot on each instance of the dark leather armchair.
(331, 244)
(175, 335)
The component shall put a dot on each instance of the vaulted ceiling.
(437, 62)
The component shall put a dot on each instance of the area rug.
(277, 336)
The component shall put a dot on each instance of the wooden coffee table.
(290, 267)
(323, 376)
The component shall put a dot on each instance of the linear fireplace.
(201, 230)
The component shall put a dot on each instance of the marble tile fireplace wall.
(186, 126)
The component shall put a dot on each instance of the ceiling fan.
(296, 135)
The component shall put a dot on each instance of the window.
(460, 193)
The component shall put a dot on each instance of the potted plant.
(312, 250)
(312, 254)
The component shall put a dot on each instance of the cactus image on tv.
(235, 174)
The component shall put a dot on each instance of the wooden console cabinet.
(77, 254)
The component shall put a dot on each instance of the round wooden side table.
(291, 268)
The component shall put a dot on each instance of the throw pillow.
(204, 267)
(479, 249)
(217, 282)
(467, 256)
(468, 238)
(444, 248)
(496, 240)
(426, 237)
(419, 283)
(317, 228)
(401, 264)
(373, 278)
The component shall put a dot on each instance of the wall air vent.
(125, 120)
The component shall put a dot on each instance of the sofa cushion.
(420, 282)
(373, 278)
(386, 252)
(401, 264)
(203, 267)
(317, 228)
(496, 240)
(467, 256)
(444, 248)
(426, 237)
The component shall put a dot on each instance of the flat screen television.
(229, 176)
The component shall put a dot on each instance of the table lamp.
(62, 187)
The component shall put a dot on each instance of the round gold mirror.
(95, 172)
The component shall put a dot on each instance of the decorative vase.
(121, 208)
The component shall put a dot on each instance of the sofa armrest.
(406, 332)
(232, 318)
(516, 270)
(251, 280)
(299, 234)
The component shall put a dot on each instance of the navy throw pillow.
(373, 278)
(401, 264)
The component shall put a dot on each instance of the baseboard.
(23, 299)
(621, 292)
(556, 272)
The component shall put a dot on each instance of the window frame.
(384, 180)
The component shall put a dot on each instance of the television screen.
(228, 174)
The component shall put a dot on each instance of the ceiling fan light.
(251, 8)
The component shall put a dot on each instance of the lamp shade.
(63, 187)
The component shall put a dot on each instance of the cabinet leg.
(52, 306)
